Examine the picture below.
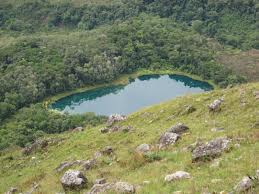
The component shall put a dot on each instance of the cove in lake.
(141, 92)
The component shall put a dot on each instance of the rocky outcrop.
(211, 149)
(115, 118)
(216, 105)
(167, 139)
(179, 129)
(73, 180)
(245, 184)
(39, 144)
(143, 148)
(177, 176)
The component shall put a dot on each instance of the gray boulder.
(77, 129)
(179, 129)
(38, 144)
(210, 150)
(168, 139)
(245, 184)
(256, 94)
(143, 148)
(73, 179)
(216, 105)
(124, 187)
(177, 176)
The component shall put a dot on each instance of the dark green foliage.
(33, 122)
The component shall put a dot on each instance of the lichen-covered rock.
(168, 139)
(89, 164)
(245, 184)
(124, 187)
(211, 149)
(115, 118)
(179, 129)
(177, 176)
(216, 105)
(143, 148)
(73, 179)
(256, 94)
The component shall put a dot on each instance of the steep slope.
(238, 116)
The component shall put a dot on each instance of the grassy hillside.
(238, 116)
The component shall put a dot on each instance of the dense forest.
(52, 47)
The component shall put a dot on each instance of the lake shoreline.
(122, 81)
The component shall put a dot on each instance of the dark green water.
(141, 92)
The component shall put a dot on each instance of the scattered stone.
(100, 181)
(215, 129)
(118, 187)
(101, 188)
(168, 139)
(237, 145)
(77, 129)
(215, 105)
(104, 130)
(257, 174)
(215, 163)
(124, 187)
(33, 189)
(245, 184)
(115, 118)
(179, 129)
(67, 164)
(216, 180)
(177, 176)
(143, 148)
(89, 164)
(107, 150)
(12, 190)
(188, 110)
(73, 179)
(39, 144)
(97, 155)
(146, 182)
(256, 94)
(211, 149)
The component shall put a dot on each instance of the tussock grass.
(148, 124)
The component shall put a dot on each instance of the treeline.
(34, 68)
(232, 22)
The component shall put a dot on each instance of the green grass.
(148, 124)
